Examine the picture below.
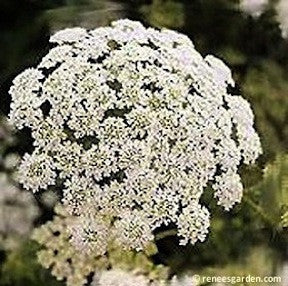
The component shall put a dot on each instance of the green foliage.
(162, 13)
(266, 87)
(272, 191)
(139, 262)
(260, 261)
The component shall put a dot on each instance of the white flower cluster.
(75, 266)
(135, 124)
(117, 277)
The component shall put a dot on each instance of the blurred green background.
(252, 238)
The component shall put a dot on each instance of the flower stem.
(166, 233)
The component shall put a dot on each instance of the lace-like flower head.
(136, 124)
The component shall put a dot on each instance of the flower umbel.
(137, 125)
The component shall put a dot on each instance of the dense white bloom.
(254, 7)
(76, 265)
(133, 230)
(193, 223)
(37, 171)
(228, 189)
(136, 124)
(90, 235)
